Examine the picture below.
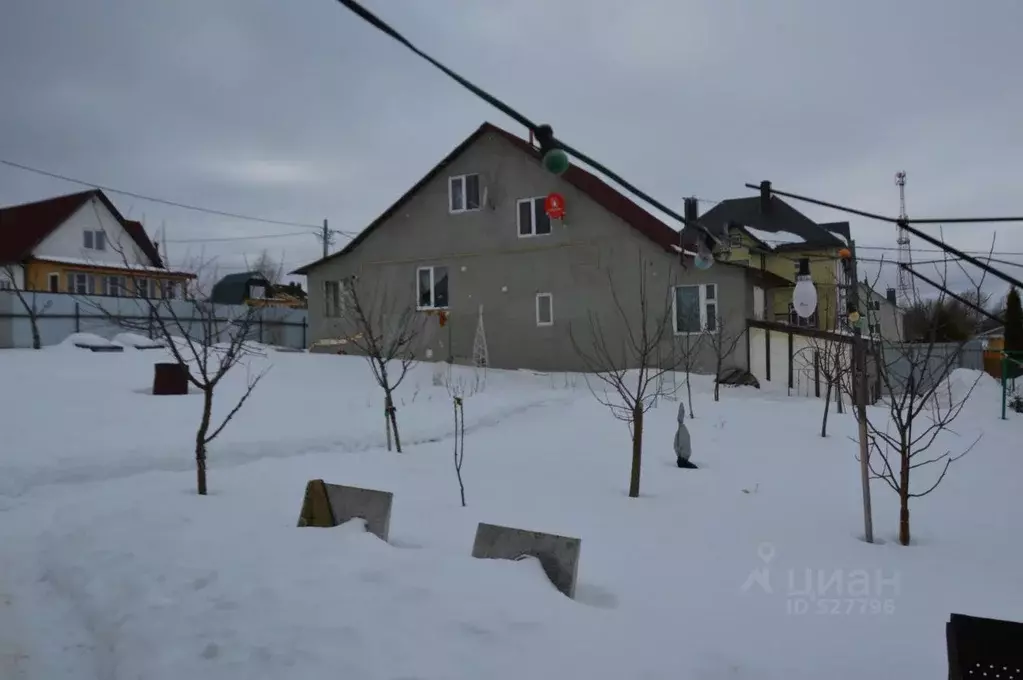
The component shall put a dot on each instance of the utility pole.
(859, 366)
(326, 238)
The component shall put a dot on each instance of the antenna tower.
(906, 285)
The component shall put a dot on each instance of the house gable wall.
(68, 240)
(490, 265)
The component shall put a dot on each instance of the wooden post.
(792, 383)
(767, 353)
(859, 365)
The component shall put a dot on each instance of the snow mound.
(986, 390)
(137, 341)
(86, 340)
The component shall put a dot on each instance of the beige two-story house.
(472, 239)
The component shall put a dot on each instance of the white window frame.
(704, 302)
(532, 217)
(94, 239)
(433, 285)
(462, 180)
(337, 298)
(141, 283)
(331, 299)
(169, 290)
(89, 283)
(118, 287)
(550, 308)
(50, 278)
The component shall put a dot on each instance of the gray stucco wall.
(490, 265)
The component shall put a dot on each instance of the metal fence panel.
(59, 315)
(933, 362)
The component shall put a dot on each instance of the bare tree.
(723, 340)
(831, 358)
(460, 390)
(28, 300)
(271, 268)
(207, 341)
(688, 348)
(629, 367)
(922, 404)
(384, 332)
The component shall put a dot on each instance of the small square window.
(89, 242)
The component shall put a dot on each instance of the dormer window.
(463, 193)
(95, 240)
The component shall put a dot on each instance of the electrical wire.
(239, 238)
(383, 27)
(154, 199)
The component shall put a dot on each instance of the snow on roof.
(85, 262)
(774, 238)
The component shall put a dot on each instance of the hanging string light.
(804, 297)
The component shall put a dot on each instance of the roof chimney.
(765, 197)
(890, 294)
(690, 211)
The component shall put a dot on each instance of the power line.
(238, 238)
(540, 131)
(154, 199)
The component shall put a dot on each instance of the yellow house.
(764, 232)
(81, 244)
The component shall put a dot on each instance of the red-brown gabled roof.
(595, 188)
(24, 227)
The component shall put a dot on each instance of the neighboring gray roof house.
(472, 239)
(775, 224)
(237, 289)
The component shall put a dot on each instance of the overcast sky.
(299, 111)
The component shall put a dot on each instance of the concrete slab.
(559, 555)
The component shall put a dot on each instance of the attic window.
(533, 219)
(463, 193)
(95, 240)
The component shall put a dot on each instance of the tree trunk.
(827, 406)
(392, 414)
(689, 393)
(637, 450)
(200, 441)
(904, 497)
(717, 378)
(37, 341)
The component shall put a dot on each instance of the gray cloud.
(299, 111)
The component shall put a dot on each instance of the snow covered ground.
(111, 567)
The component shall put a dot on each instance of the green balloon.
(556, 161)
